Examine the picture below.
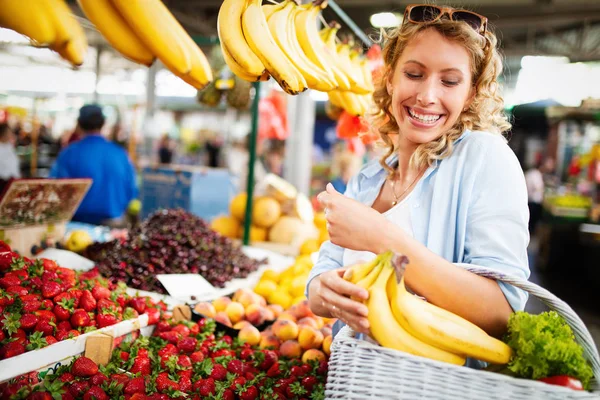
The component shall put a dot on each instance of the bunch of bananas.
(142, 30)
(403, 321)
(47, 23)
(282, 40)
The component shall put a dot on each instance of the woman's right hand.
(329, 297)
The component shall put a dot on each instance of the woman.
(449, 189)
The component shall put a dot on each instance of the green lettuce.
(544, 345)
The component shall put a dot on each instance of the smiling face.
(430, 88)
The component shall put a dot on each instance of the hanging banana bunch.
(47, 23)
(403, 321)
(283, 41)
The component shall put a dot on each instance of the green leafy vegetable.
(544, 345)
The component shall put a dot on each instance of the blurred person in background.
(166, 148)
(106, 163)
(9, 160)
(273, 158)
(346, 165)
(534, 180)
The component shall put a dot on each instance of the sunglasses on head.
(426, 13)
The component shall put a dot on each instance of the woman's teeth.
(425, 118)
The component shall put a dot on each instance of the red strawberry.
(11, 349)
(195, 329)
(141, 365)
(49, 276)
(297, 371)
(8, 281)
(49, 265)
(249, 393)
(246, 354)
(153, 315)
(67, 396)
(36, 282)
(270, 359)
(45, 314)
(227, 339)
(98, 379)
(100, 292)
(139, 304)
(50, 289)
(105, 304)
(72, 333)
(47, 304)
(171, 336)
(219, 372)
(121, 379)
(306, 368)
(28, 321)
(185, 383)
(163, 326)
(142, 352)
(62, 296)
(124, 356)
(104, 320)
(197, 357)
(228, 394)
(83, 367)
(187, 344)
(274, 371)
(64, 326)
(51, 340)
(66, 377)
(62, 314)
(168, 350)
(40, 396)
(309, 382)
(139, 396)
(79, 388)
(2, 335)
(322, 370)
(223, 353)
(18, 290)
(4, 247)
(121, 301)
(20, 274)
(184, 361)
(182, 330)
(6, 299)
(95, 393)
(80, 318)
(236, 367)
(158, 396)
(136, 385)
(205, 387)
(239, 381)
(163, 383)
(61, 335)
(44, 326)
(76, 295)
(283, 385)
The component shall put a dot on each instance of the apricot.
(326, 331)
(308, 321)
(222, 318)
(285, 329)
(301, 310)
(313, 354)
(291, 349)
(269, 341)
(206, 309)
(250, 335)
(287, 315)
(310, 338)
(269, 315)
(241, 324)
(235, 311)
(327, 344)
(276, 308)
(255, 314)
(221, 303)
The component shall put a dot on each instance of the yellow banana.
(238, 70)
(445, 330)
(362, 71)
(389, 333)
(367, 75)
(351, 103)
(355, 74)
(30, 20)
(269, 9)
(201, 73)
(357, 272)
(229, 26)
(157, 28)
(314, 47)
(371, 277)
(282, 27)
(106, 18)
(70, 41)
(261, 41)
(328, 34)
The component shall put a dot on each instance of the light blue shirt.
(470, 207)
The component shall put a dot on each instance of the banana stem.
(399, 262)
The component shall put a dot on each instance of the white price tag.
(184, 286)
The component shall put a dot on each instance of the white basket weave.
(361, 370)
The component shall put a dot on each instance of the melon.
(279, 188)
(237, 207)
(290, 230)
(226, 225)
(265, 212)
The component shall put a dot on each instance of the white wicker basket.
(361, 370)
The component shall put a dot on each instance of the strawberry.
(87, 301)
(28, 322)
(297, 371)
(76, 295)
(121, 379)
(182, 330)
(83, 367)
(197, 357)
(61, 335)
(139, 396)
(79, 388)
(219, 372)
(3, 336)
(124, 356)
(104, 320)
(248, 393)
(283, 385)
(50, 340)
(171, 336)
(141, 365)
(45, 326)
(274, 371)
(100, 292)
(9, 280)
(62, 314)
(6, 299)
(36, 282)
(67, 396)
(64, 326)
(47, 304)
(239, 381)
(95, 393)
(105, 304)
(322, 370)
(153, 315)
(246, 354)
(309, 382)
(163, 383)
(139, 304)
(223, 353)
(80, 318)
(306, 368)
(168, 350)
(66, 377)
(136, 385)
(62, 296)
(236, 367)
(184, 361)
(205, 387)
(158, 396)
(98, 379)
(40, 396)
(11, 349)
(4, 247)
(195, 329)
(228, 394)
(163, 326)
(185, 383)
(17, 290)
(187, 344)
(49, 276)
(269, 359)
(50, 289)
(45, 314)
(121, 300)
(49, 265)
(227, 339)
(20, 274)
(142, 352)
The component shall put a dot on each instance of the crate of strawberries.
(47, 312)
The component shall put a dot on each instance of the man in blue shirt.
(106, 163)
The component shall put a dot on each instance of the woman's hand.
(351, 224)
(330, 294)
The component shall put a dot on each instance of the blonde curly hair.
(485, 112)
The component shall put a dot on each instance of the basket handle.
(554, 303)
